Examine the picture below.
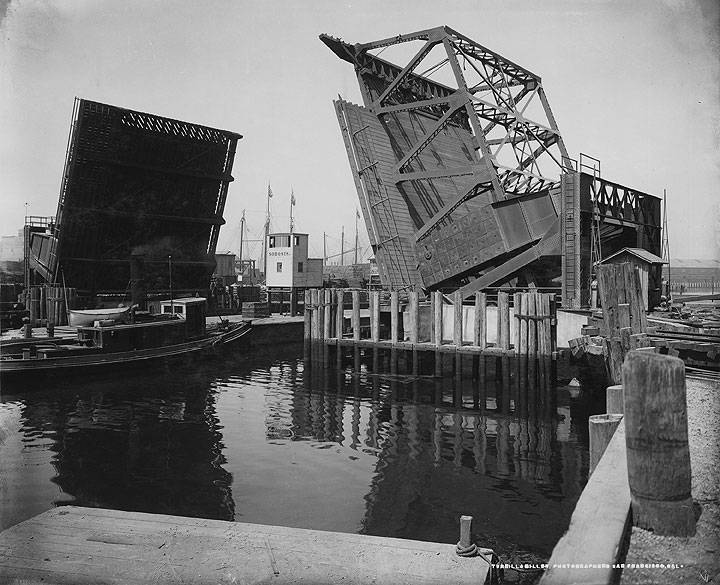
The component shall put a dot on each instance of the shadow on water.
(386, 443)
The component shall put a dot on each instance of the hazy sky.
(633, 83)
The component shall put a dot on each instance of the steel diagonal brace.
(456, 102)
(483, 178)
(409, 68)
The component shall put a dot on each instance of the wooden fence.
(525, 323)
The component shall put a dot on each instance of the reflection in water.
(366, 441)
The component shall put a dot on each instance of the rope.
(468, 551)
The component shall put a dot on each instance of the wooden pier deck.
(92, 545)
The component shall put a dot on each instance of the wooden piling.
(327, 321)
(414, 317)
(480, 321)
(437, 318)
(457, 318)
(658, 455)
(516, 317)
(614, 399)
(356, 315)
(320, 313)
(340, 314)
(531, 312)
(394, 317)
(601, 428)
(375, 315)
(308, 315)
(503, 321)
(523, 324)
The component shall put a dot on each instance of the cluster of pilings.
(524, 327)
(49, 304)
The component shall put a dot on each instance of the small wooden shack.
(650, 268)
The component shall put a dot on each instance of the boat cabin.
(191, 309)
(189, 324)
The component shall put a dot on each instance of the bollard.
(27, 328)
(614, 398)
(656, 436)
(465, 546)
(602, 428)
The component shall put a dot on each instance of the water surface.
(360, 445)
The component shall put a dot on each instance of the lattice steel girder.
(472, 131)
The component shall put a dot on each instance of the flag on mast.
(292, 197)
(270, 193)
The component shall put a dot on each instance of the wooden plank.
(457, 318)
(598, 524)
(84, 545)
(480, 321)
(623, 316)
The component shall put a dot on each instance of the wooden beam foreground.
(93, 545)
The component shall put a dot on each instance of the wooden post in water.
(308, 315)
(656, 435)
(320, 313)
(375, 315)
(531, 325)
(614, 399)
(457, 319)
(414, 317)
(340, 314)
(602, 428)
(503, 321)
(523, 324)
(327, 321)
(480, 321)
(516, 318)
(394, 317)
(356, 315)
(437, 318)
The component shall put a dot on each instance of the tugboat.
(178, 331)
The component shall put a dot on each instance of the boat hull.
(97, 360)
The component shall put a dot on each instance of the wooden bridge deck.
(91, 545)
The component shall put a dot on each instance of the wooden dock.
(525, 322)
(92, 545)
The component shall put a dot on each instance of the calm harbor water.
(266, 437)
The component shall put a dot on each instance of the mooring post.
(656, 435)
(375, 315)
(601, 427)
(437, 317)
(614, 399)
(503, 322)
(457, 319)
(480, 321)
(414, 316)
(356, 315)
